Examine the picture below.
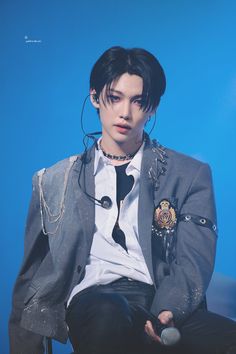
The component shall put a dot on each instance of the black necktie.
(124, 185)
(119, 236)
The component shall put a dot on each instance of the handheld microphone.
(169, 335)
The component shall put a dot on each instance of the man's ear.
(150, 114)
(94, 99)
(153, 112)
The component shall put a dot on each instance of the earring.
(95, 98)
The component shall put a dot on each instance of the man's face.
(122, 118)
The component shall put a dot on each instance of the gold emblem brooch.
(165, 215)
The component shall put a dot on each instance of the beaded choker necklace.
(118, 157)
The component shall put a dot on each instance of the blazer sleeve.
(23, 341)
(184, 288)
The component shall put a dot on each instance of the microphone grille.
(170, 336)
(106, 202)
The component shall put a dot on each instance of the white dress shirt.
(108, 260)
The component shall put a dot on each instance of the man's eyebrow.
(121, 93)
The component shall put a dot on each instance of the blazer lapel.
(151, 170)
(84, 187)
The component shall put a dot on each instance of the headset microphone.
(106, 202)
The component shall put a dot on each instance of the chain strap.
(44, 207)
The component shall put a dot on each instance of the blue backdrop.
(47, 51)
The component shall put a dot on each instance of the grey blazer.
(176, 223)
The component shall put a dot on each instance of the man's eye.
(139, 102)
(113, 98)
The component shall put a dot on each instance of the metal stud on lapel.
(155, 172)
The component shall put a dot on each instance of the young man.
(121, 235)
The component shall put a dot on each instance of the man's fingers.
(150, 331)
(166, 317)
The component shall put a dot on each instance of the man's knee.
(110, 311)
(100, 323)
(104, 312)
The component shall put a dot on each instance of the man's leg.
(204, 333)
(109, 318)
(113, 322)
(100, 324)
(208, 333)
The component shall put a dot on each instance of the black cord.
(81, 114)
(153, 125)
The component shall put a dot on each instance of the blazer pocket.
(30, 294)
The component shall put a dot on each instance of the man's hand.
(165, 317)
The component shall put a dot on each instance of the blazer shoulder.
(55, 172)
(174, 158)
(183, 161)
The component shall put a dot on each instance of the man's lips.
(122, 128)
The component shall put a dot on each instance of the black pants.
(110, 319)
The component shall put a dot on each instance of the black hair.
(117, 60)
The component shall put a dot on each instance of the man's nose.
(125, 110)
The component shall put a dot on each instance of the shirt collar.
(101, 161)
